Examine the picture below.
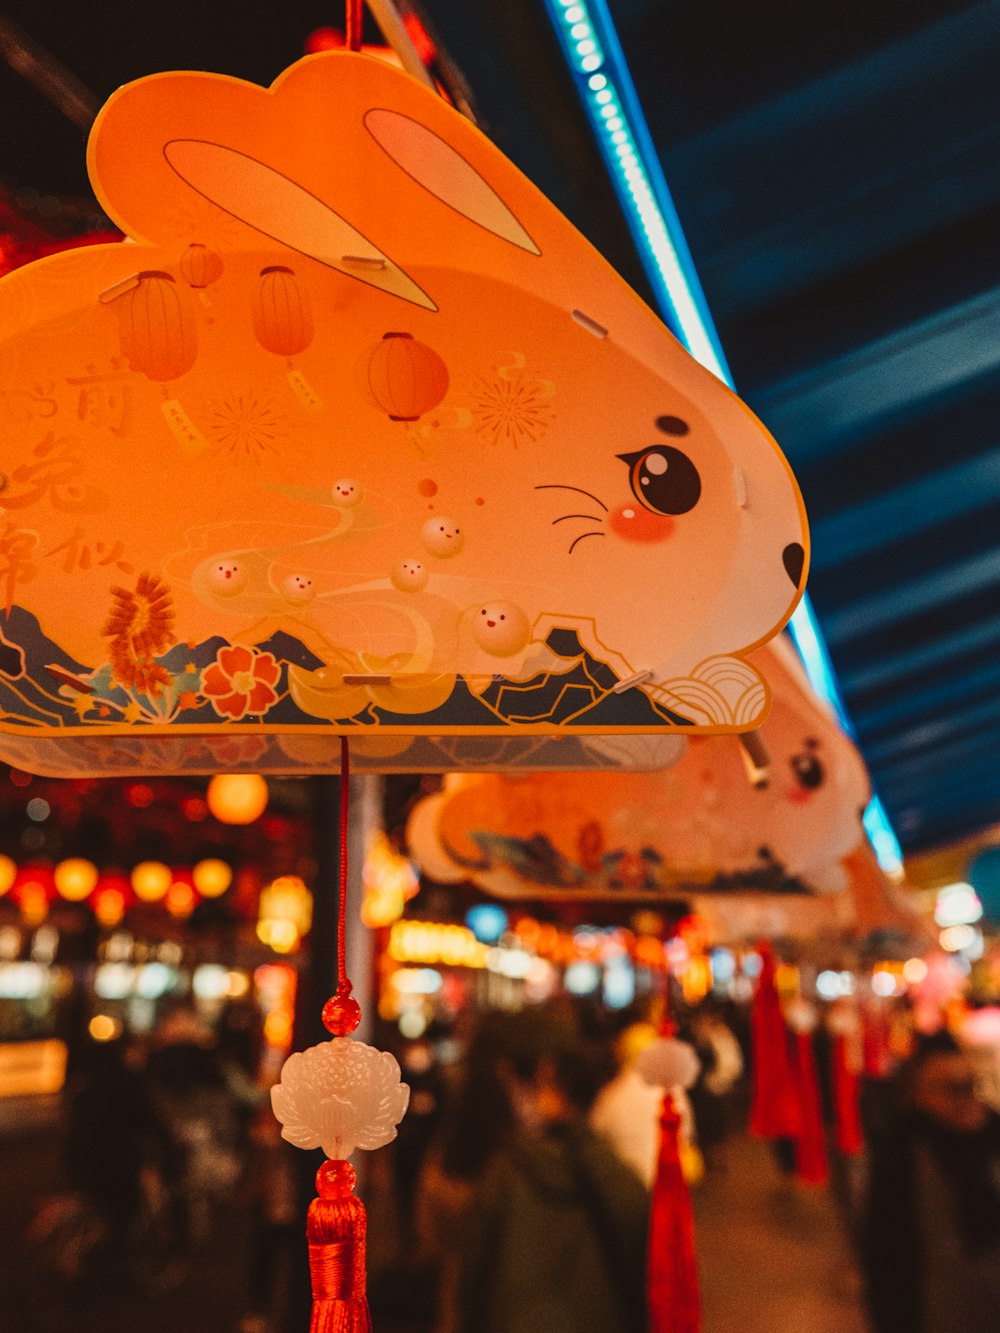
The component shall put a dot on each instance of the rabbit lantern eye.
(808, 768)
(663, 479)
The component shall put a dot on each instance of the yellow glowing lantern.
(109, 907)
(212, 877)
(238, 985)
(156, 328)
(200, 265)
(278, 934)
(181, 899)
(389, 881)
(75, 879)
(8, 873)
(406, 377)
(237, 798)
(278, 1028)
(102, 1027)
(287, 899)
(151, 880)
(282, 318)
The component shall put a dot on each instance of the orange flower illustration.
(241, 681)
(140, 626)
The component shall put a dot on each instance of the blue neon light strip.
(590, 42)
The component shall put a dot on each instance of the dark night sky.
(111, 42)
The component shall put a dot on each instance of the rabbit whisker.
(594, 518)
(554, 486)
(582, 536)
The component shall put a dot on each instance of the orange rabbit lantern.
(200, 266)
(156, 328)
(233, 574)
(406, 377)
(282, 318)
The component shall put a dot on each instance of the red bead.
(341, 1013)
(336, 1179)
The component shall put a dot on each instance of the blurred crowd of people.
(531, 1197)
(518, 1190)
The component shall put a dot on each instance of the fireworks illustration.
(512, 407)
(244, 424)
(204, 221)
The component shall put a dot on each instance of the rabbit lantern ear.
(357, 432)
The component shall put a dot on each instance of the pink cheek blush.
(637, 524)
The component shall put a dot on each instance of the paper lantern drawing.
(578, 531)
(282, 317)
(201, 266)
(156, 327)
(701, 827)
(406, 377)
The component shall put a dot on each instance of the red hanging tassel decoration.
(847, 1133)
(336, 1230)
(674, 1300)
(810, 1141)
(339, 1095)
(774, 1109)
(672, 1269)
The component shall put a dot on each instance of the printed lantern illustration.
(406, 378)
(157, 327)
(282, 318)
(493, 569)
(699, 828)
(201, 266)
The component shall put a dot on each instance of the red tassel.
(774, 1110)
(810, 1141)
(336, 1230)
(674, 1302)
(848, 1134)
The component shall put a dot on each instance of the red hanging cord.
(345, 801)
(336, 1227)
(353, 24)
(342, 1013)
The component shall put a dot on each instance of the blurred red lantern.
(181, 899)
(282, 317)
(34, 889)
(325, 39)
(200, 265)
(156, 328)
(406, 377)
(109, 906)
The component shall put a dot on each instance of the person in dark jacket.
(931, 1237)
(557, 1234)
